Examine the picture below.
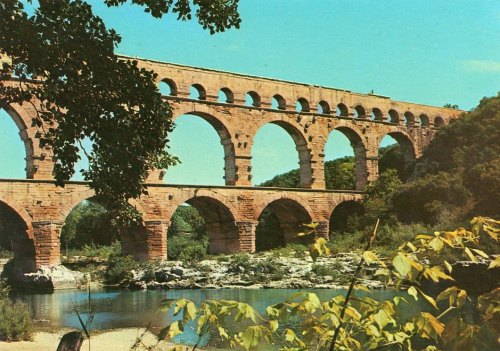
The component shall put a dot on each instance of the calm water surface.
(124, 309)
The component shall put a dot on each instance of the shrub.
(193, 253)
(240, 260)
(15, 320)
(186, 248)
(290, 250)
(102, 252)
(120, 269)
(15, 323)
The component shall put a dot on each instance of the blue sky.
(431, 52)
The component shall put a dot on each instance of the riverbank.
(115, 340)
(267, 270)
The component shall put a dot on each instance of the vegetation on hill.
(458, 175)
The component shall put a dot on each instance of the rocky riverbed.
(245, 271)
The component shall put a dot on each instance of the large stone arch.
(407, 146)
(223, 129)
(220, 220)
(301, 145)
(342, 209)
(18, 223)
(354, 134)
(22, 119)
(135, 240)
(292, 213)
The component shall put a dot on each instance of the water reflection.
(124, 309)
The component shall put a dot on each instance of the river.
(124, 309)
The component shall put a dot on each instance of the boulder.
(51, 278)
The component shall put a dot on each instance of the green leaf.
(470, 254)
(429, 299)
(494, 263)
(251, 337)
(370, 257)
(413, 292)
(402, 264)
(481, 253)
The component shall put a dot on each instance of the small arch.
(323, 107)
(359, 112)
(342, 110)
(278, 102)
(302, 105)
(220, 225)
(424, 120)
(377, 115)
(452, 120)
(252, 99)
(225, 96)
(197, 92)
(167, 87)
(279, 223)
(343, 218)
(409, 119)
(393, 116)
(438, 122)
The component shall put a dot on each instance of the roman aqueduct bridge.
(35, 209)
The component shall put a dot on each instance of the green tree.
(89, 224)
(64, 56)
(459, 172)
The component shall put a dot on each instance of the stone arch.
(377, 114)
(339, 217)
(18, 222)
(27, 134)
(227, 95)
(255, 98)
(360, 111)
(302, 105)
(170, 84)
(291, 213)
(408, 150)
(20, 211)
(201, 91)
(355, 138)
(280, 101)
(342, 110)
(220, 221)
(393, 116)
(324, 107)
(88, 194)
(301, 146)
(220, 126)
(409, 119)
(438, 122)
(424, 120)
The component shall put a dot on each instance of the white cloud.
(482, 65)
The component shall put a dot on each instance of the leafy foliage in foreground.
(365, 323)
